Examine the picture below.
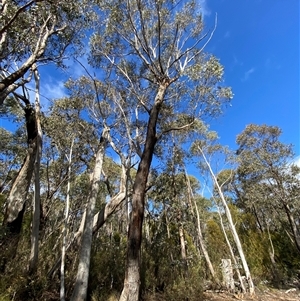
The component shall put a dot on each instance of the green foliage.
(140, 46)
(216, 243)
(107, 265)
(183, 288)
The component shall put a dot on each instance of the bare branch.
(176, 129)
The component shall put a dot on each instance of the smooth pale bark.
(200, 235)
(111, 206)
(232, 253)
(15, 203)
(231, 225)
(275, 269)
(18, 194)
(203, 245)
(33, 260)
(81, 283)
(98, 220)
(182, 246)
(65, 228)
(131, 289)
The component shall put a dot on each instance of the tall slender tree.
(33, 261)
(203, 148)
(154, 51)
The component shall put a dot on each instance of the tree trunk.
(183, 248)
(98, 220)
(293, 225)
(227, 273)
(33, 261)
(111, 206)
(232, 226)
(131, 290)
(65, 228)
(232, 254)
(16, 201)
(203, 246)
(275, 269)
(81, 283)
(200, 236)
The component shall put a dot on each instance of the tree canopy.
(116, 190)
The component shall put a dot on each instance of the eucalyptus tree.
(36, 32)
(95, 101)
(32, 33)
(33, 260)
(76, 152)
(154, 53)
(11, 155)
(15, 203)
(103, 110)
(206, 148)
(268, 180)
(199, 230)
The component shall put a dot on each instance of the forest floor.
(266, 294)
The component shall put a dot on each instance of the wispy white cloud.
(51, 90)
(248, 74)
(270, 63)
(227, 34)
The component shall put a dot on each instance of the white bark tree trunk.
(200, 235)
(81, 284)
(232, 254)
(231, 225)
(227, 273)
(65, 228)
(99, 218)
(183, 248)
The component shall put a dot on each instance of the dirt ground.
(266, 294)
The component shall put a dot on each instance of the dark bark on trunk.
(12, 78)
(16, 201)
(131, 290)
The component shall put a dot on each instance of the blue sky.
(257, 41)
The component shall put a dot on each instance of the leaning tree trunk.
(131, 290)
(16, 201)
(232, 253)
(200, 235)
(15, 204)
(81, 283)
(231, 225)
